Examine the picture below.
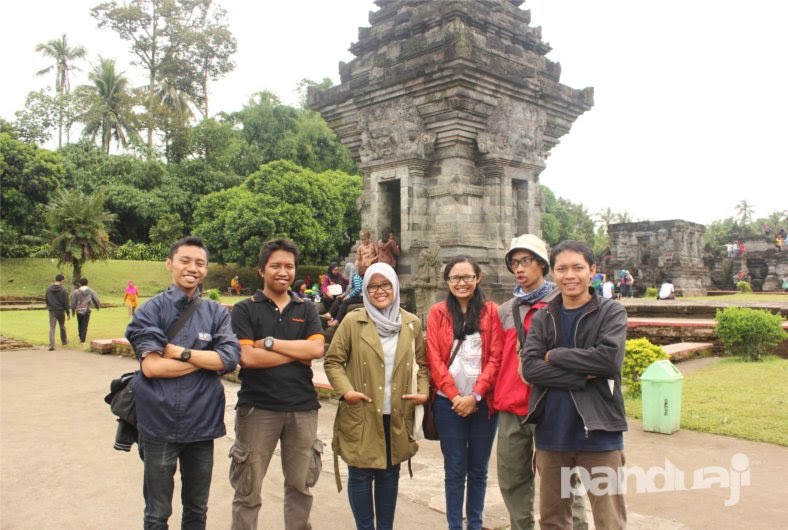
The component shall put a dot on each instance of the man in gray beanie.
(528, 260)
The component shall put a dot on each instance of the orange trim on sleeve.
(246, 342)
(317, 336)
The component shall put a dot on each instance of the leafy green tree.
(30, 176)
(221, 146)
(109, 106)
(163, 34)
(34, 123)
(562, 219)
(234, 223)
(78, 229)
(717, 234)
(64, 57)
(284, 200)
(279, 132)
(136, 211)
(265, 121)
(314, 145)
(168, 228)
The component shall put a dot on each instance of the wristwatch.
(186, 354)
(268, 344)
(476, 396)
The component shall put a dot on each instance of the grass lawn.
(734, 398)
(30, 277)
(32, 325)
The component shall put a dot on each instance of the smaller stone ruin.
(653, 251)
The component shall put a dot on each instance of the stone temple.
(450, 109)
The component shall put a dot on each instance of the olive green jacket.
(354, 361)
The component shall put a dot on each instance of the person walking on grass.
(131, 298)
(57, 303)
(81, 301)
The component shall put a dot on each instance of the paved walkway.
(59, 471)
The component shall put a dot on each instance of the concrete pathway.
(59, 471)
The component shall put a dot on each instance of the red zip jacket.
(440, 338)
(511, 392)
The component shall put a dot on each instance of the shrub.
(640, 354)
(749, 333)
(212, 294)
(743, 287)
(651, 292)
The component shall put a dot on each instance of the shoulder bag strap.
(182, 319)
(518, 323)
(454, 352)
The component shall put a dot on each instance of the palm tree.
(108, 106)
(78, 229)
(623, 217)
(605, 218)
(64, 56)
(745, 211)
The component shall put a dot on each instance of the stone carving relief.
(393, 131)
(429, 272)
(514, 130)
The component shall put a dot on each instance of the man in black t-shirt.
(280, 335)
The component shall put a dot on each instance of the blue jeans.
(82, 325)
(466, 444)
(386, 482)
(160, 459)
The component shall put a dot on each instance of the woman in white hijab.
(370, 365)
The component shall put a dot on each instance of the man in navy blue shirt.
(573, 357)
(178, 392)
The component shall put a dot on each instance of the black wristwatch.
(186, 354)
(268, 344)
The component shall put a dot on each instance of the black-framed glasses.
(468, 278)
(372, 288)
(514, 263)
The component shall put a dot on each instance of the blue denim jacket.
(188, 408)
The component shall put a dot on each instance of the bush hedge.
(640, 354)
(749, 333)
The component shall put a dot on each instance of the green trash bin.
(661, 391)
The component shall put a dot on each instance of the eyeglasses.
(454, 280)
(372, 288)
(514, 263)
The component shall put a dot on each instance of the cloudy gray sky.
(690, 106)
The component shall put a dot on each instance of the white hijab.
(387, 320)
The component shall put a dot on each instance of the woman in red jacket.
(464, 344)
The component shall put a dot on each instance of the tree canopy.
(282, 199)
